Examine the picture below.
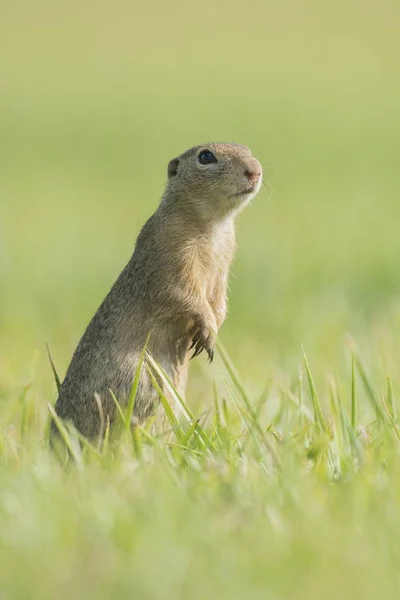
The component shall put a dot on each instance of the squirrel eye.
(206, 157)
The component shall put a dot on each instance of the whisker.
(267, 185)
(269, 188)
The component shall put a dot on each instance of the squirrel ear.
(173, 167)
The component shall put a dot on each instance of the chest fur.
(208, 260)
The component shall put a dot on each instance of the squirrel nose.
(252, 175)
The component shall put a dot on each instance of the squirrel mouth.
(245, 192)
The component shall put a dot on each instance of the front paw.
(203, 339)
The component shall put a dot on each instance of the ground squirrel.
(173, 288)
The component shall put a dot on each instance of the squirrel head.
(213, 180)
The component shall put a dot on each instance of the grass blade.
(53, 368)
(187, 413)
(177, 429)
(119, 409)
(135, 385)
(240, 387)
(369, 388)
(353, 394)
(232, 372)
(247, 426)
(171, 388)
(390, 399)
(318, 414)
(73, 447)
(188, 435)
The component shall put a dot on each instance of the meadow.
(283, 480)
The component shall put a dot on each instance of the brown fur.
(174, 287)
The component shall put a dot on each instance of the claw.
(202, 342)
(198, 349)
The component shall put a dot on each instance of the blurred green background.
(97, 97)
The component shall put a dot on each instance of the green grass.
(283, 480)
(266, 498)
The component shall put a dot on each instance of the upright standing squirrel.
(174, 288)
